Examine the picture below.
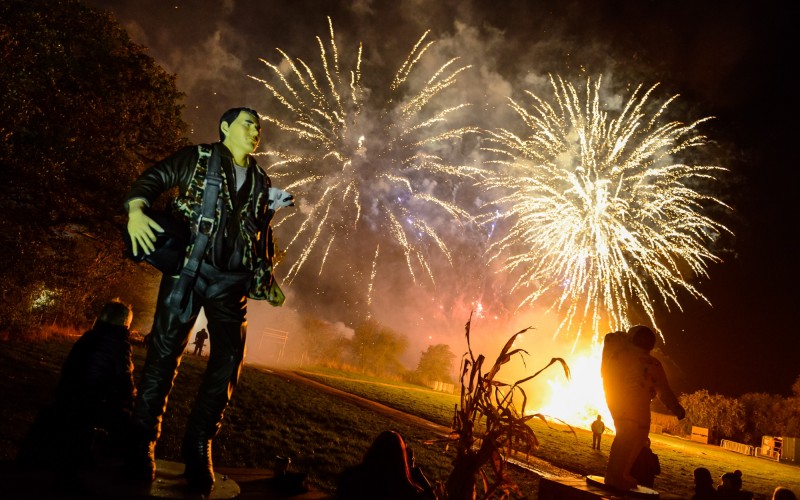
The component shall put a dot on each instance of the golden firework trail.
(362, 164)
(602, 214)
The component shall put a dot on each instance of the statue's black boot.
(140, 462)
(199, 472)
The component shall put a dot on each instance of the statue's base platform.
(170, 483)
(262, 484)
(588, 488)
(106, 482)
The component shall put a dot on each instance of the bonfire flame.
(578, 401)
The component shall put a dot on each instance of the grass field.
(272, 415)
(678, 457)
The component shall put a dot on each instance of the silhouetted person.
(385, 473)
(631, 379)
(730, 487)
(93, 400)
(703, 485)
(782, 493)
(230, 261)
(646, 467)
(199, 342)
(743, 494)
(598, 427)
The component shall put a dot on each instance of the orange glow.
(579, 401)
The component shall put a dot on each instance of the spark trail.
(602, 216)
(364, 163)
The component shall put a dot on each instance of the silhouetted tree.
(435, 364)
(790, 412)
(762, 412)
(84, 110)
(377, 349)
(724, 416)
(322, 342)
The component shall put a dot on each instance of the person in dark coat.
(730, 487)
(646, 467)
(200, 342)
(703, 485)
(90, 415)
(783, 493)
(598, 427)
(387, 472)
(96, 383)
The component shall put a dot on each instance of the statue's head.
(642, 337)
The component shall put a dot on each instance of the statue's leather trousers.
(222, 295)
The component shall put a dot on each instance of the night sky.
(730, 60)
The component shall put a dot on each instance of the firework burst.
(602, 215)
(362, 163)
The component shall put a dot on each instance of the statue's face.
(243, 134)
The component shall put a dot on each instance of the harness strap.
(204, 228)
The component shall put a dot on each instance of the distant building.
(780, 448)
